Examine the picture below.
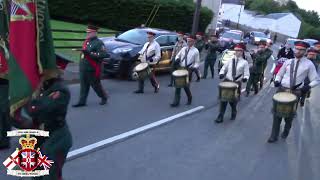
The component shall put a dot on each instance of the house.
(284, 23)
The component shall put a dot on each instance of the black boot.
(138, 92)
(233, 116)
(219, 119)
(156, 88)
(189, 101)
(103, 101)
(174, 104)
(78, 105)
(284, 134)
(275, 129)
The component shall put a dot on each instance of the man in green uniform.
(265, 63)
(177, 47)
(260, 58)
(90, 67)
(4, 83)
(48, 112)
(317, 47)
(212, 46)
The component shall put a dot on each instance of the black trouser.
(177, 94)
(153, 81)
(194, 70)
(209, 63)
(277, 120)
(4, 112)
(253, 81)
(87, 80)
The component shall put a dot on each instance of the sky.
(309, 5)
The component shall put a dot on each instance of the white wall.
(289, 24)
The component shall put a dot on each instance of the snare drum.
(228, 91)
(143, 70)
(181, 78)
(284, 104)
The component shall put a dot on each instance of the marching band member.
(260, 59)
(312, 56)
(212, 46)
(177, 47)
(90, 67)
(291, 78)
(188, 56)
(150, 53)
(235, 70)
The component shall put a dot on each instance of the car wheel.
(131, 70)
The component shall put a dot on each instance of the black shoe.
(4, 146)
(156, 89)
(272, 140)
(138, 92)
(174, 104)
(189, 102)
(256, 92)
(301, 103)
(247, 94)
(219, 120)
(233, 117)
(103, 101)
(284, 134)
(78, 105)
(170, 85)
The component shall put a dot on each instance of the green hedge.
(126, 14)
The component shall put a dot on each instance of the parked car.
(225, 56)
(310, 41)
(124, 48)
(229, 38)
(256, 36)
(290, 42)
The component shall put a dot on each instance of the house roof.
(276, 15)
(231, 2)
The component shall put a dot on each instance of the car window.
(231, 35)
(135, 36)
(163, 40)
(173, 39)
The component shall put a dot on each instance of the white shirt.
(306, 69)
(193, 58)
(153, 48)
(242, 69)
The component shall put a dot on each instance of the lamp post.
(242, 3)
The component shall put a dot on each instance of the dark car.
(124, 48)
(310, 41)
(229, 38)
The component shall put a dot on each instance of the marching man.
(187, 58)
(150, 53)
(291, 78)
(177, 47)
(235, 70)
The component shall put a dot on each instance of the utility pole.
(196, 18)
(242, 3)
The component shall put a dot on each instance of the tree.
(265, 6)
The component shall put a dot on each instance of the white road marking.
(78, 152)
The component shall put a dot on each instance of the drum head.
(179, 73)
(284, 97)
(228, 85)
(141, 66)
